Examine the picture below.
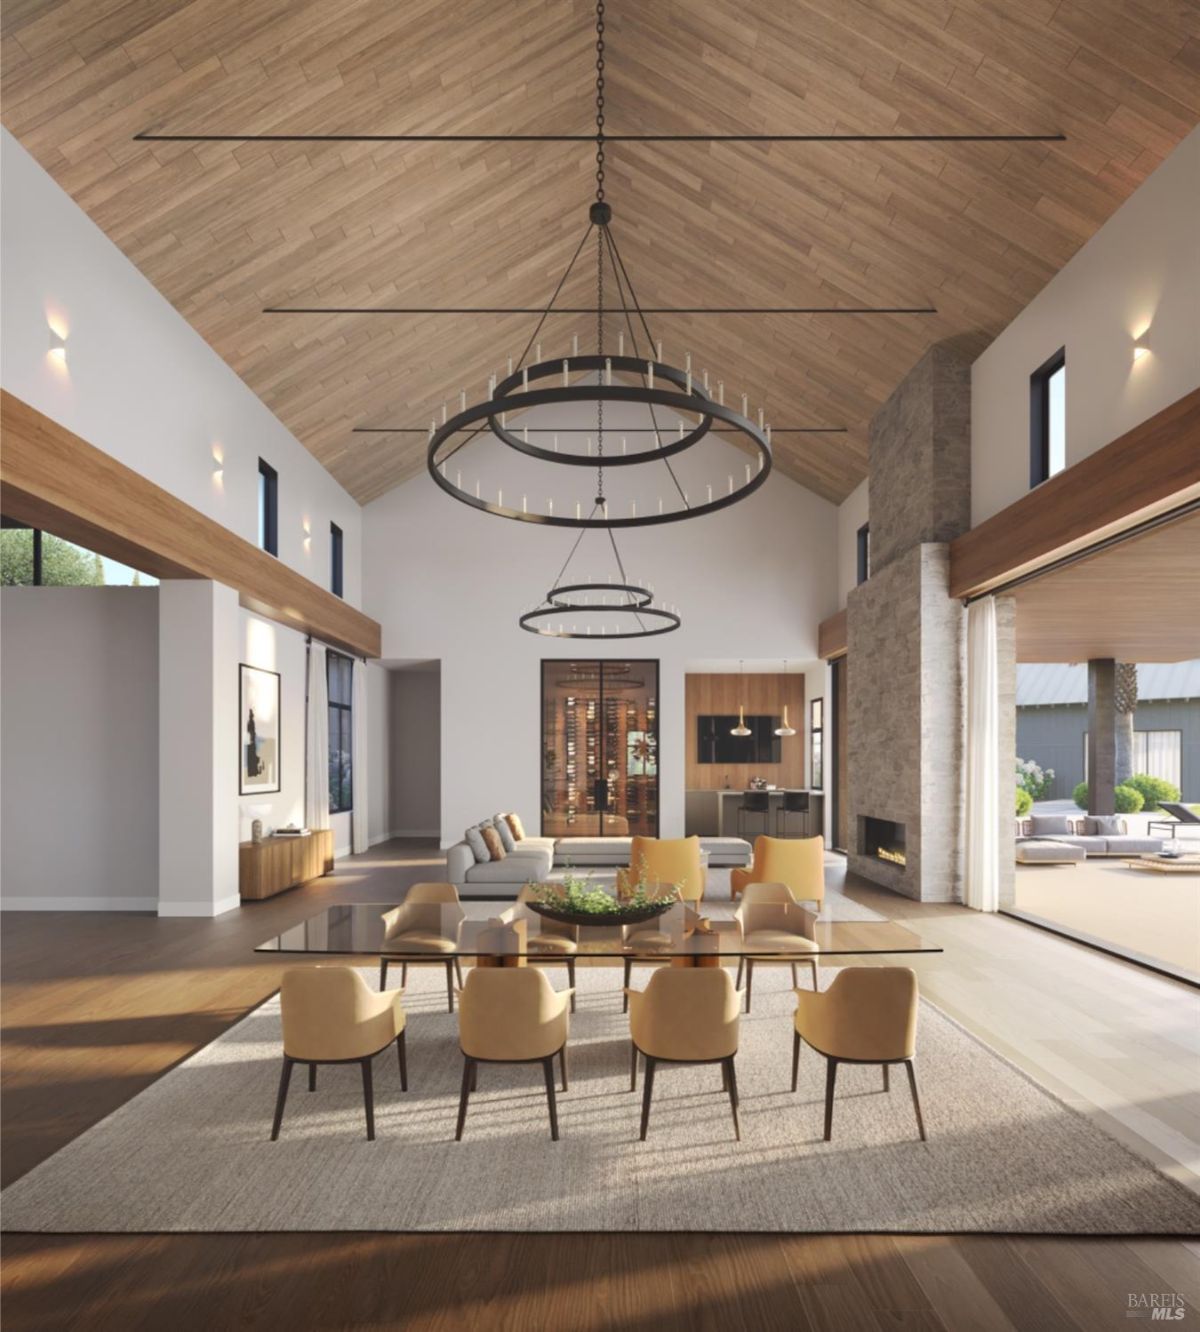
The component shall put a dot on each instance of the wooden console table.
(279, 863)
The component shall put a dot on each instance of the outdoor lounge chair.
(1181, 815)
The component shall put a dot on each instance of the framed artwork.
(258, 730)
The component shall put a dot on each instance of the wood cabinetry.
(279, 863)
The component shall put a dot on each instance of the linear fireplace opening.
(883, 839)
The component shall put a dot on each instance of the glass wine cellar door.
(599, 748)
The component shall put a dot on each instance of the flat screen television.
(714, 744)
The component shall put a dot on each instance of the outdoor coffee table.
(1186, 864)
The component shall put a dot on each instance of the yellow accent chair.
(549, 940)
(867, 1016)
(672, 862)
(772, 923)
(797, 861)
(512, 1015)
(426, 921)
(331, 1016)
(686, 1015)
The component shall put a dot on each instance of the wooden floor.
(97, 1006)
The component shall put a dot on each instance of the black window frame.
(268, 507)
(816, 728)
(16, 525)
(1039, 417)
(337, 543)
(863, 539)
(345, 729)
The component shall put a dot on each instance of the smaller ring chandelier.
(682, 410)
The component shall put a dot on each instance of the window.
(864, 552)
(339, 676)
(1048, 419)
(335, 559)
(30, 557)
(1156, 753)
(268, 508)
(817, 731)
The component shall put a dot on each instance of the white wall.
(379, 712)
(79, 748)
(1139, 272)
(141, 384)
(754, 580)
(273, 647)
(851, 514)
(416, 761)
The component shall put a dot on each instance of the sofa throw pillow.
(491, 839)
(516, 827)
(1050, 825)
(1103, 825)
(500, 823)
(474, 839)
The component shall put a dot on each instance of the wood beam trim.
(53, 479)
(831, 636)
(1150, 469)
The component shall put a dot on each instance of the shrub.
(1032, 778)
(1153, 789)
(1079, 795)
(1024, 802)
(1127, 799)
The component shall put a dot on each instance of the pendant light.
(785, 729)
(741, 729)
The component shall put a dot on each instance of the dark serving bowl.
(619, 915)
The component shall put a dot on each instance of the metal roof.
(1045, 684)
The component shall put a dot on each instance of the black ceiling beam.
(610, 431)
(151, 137)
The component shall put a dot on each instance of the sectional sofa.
(1058, 838)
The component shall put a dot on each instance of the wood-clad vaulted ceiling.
(223, 229)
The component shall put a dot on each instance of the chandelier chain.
(600, 373)
(599, 101)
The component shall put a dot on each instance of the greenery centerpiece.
(576, 900)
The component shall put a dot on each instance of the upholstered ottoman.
(1033, 852)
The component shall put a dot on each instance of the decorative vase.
(256, 831)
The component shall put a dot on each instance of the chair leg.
(795, 981)
(312, 1077)
(912, 1082)
(830, 1080)
(795, 1060)
(646, 1095)
(562, 1064)
(724, 1077)
(383, 971)
(474, 1076)
(458, 972)
(450, 983)
(468, 1078)
(812, 966)
(548, 1070)
(887, 1078)
(749, 980)
(731, 1082)
(402, 1054)
(628, 983)
(571, 979)
(369, 1099)
(284, 1078)
(633, 1054)
(737, 985)
(403, 975)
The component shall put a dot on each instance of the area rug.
(192, 1152)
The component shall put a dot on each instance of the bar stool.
(755, 802)
(794, 802)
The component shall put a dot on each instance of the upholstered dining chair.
(553, 941)
(426, 921)
(665, 863)
(772, 922)
(331, 1016)
(650, 937)
(868, 1015)
(797, 861)
(512, 1015)
(686, 1015)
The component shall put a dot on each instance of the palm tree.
(1125, 700)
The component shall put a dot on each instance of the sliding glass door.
(599, 748)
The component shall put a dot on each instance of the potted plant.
(575, 900)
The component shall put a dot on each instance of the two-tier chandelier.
(539, 448)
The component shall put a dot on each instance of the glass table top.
(429, 932)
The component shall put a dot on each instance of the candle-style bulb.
(721, 392)
(658, 352)
(462, 400)
(537, 352)
(649, 374)
(566, 372)
(761, 418)
(575, 345)
(510, 366)
(608, 370)
(745, 404)
(443, 413)
(620, 344)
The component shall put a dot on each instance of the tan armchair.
(686, 1015)
(666, 863)
(551, 940)
(867, 1016)
(512, 1015)
(426, 921)
(651, 936)
(772, 922)
(331, 1016)
(797, 861)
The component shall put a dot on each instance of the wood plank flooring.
(96, 1007)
